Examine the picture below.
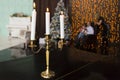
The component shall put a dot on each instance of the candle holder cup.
(32, 45)
(60, 44)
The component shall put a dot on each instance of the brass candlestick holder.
(47, 73)
(60, 44)
(32, 46)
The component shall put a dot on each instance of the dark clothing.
(96, 29)
(104, 35)
(105, 29)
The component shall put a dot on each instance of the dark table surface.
(65, 67)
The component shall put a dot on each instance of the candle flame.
(34, 5)
(61, 12)
(47, 9)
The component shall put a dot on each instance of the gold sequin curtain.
(89, 10)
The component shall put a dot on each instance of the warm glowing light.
(34, 5)
(47, 9)
(61, 12)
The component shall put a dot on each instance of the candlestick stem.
(47, 73)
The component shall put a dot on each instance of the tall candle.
(47, 20)
(61, 25)
(33, 24)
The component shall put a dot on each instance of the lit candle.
(61, 25)
(47, 20)
(33, 24)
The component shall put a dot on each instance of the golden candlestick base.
(48, 74)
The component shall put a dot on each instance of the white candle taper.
(33, 24)
(61, 25)
(47, 20)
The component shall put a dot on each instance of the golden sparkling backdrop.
(89, 10)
